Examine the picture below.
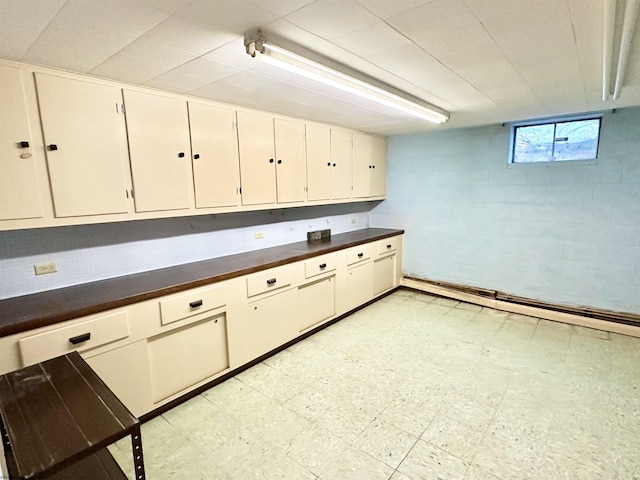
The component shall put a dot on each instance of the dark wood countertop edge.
(54, 306)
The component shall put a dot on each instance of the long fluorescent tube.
(628, 27)
(299, 65)
(608, 29)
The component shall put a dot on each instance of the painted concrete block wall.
(94, 252)
(565, 232)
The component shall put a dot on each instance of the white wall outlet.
(258, 235)
(353, 221)
(44, 268)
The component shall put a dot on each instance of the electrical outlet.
(258, 235)
(353, 221)
(44, 268)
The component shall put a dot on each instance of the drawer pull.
(389, 246)
(197, 303)
(271, 281)
(80, 338)
(360, 255)
(323, 265)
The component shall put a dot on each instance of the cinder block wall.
(566, 232)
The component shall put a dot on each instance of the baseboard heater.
(623, 318)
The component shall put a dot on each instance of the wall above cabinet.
(80, 150)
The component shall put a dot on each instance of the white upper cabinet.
(85, 144)
(160, 151)
(19, 193)
(257, 158)
(318, 141)
(214, 146)
(341, 164)
(290, 161)
(369, 165)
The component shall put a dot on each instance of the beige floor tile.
(316, 448)
(354, 464)
(385, 442)
(475, 473)
(409, 414)
(508, 461)
(453, 437)
(427, 462)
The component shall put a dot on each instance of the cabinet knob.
(334, 164)
(24, 144)
(196, 156)
(360, 255)
(329, 164)
(271, 281)
(53, 147)
(370, 166)
(271, 160)
(389, 246)
(181, 155)
(279, 161)
(373, 166)
(323, 265)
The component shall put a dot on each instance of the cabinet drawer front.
(389, 244)
(321, 264)
(81, 337)
(191, 303)
(360, 253)
(270, 280)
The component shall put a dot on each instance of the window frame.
(554, 120)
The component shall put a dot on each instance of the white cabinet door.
(158, 130)
(214, 145)
(86, 146)
(379, 167)
(19, 193)
(290, 161)
(318, 140)
(362, 164)
(341, 162)
(360, 284)
(384, 274)
(317, 302)
(257, 159)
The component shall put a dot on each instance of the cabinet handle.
(181, 155)
(279, 162)
(53, 147)
(271, 160)
(196, 156)
(389, 246)
(329, 164)
(323, 265)
(360, 255)
(271, 281)
(334, 164)
(373, 166)
(24, 144)
(197, 303)
(80, 338)
(370, 166)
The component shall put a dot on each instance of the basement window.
(555, 141)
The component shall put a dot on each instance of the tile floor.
(416, 387)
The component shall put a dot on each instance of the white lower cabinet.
(125, 370)
(317, 301)
(181, 358)
(384, 274)
(360, 284)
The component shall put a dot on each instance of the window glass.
(556, 141)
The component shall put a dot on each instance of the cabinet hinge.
(132, 194)
(126, 192)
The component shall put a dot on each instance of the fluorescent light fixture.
(629, 11)
(260, 49)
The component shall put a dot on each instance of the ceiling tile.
(22, 22)
(233, 54)
(372, 39)
(281, 7)
(386, 9)
(233, 17)
(433, 18)
(177, 81)
(186, 36)
(209, 69)
(125, 69)
(169, 6)
(331, 18)
(219, 91)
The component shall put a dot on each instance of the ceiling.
(485, 61)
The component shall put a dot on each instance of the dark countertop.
(19, 314)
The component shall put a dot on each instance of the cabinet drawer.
(390, 244)
(191, 303)
(81, 337)
(321, 264)
(270, 280)
(360, 253)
